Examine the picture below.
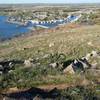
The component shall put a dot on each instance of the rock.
(20, 80)
(77, 65)
(51, 45)
(85, 63)
(82, 64)
(90, 43)
(88, 56)
(94, 53)
(69, 69)
(10, 71)
(53, 65)
(1, 72)
(31, 60)
(1, 67)
(11, 65)
(45, 56)
(27, 63)
(94, 65)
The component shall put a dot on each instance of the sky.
(49, 1)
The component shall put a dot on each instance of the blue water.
(9, 30)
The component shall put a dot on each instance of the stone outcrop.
(8, 65)
(80, 65)
(28, 62)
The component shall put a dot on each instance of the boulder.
(1, 72)
(1, 68)
(90, 43)
(51, 45)
(45, 56)
(85, 63)
(94, 54)
(27, 63)
(53, 65)
(77, 65)
(69, 69)
(11, 65)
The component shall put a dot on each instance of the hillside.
(73, 40)
(47, 47)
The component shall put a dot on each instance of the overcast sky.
(49, 1)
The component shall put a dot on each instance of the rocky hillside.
(68, 55)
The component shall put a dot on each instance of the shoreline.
(16, 22)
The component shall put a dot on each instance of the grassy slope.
(73, 40)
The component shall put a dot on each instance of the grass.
(72, 42)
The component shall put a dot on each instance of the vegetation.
(36, 74)
(91, 18)
(79, 93)
(73, 43)
(54, 46)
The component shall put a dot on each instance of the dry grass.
(71, 40)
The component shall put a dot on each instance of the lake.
(9, 30)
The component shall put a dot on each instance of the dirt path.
(48, 87)
(52, 86)
(44, 87)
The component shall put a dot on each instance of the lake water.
(9, 30)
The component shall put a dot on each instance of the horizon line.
(54, 3)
